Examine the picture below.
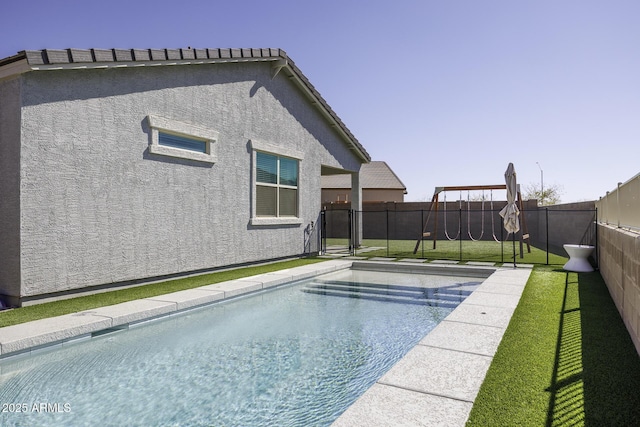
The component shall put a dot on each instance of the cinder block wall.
(619, 260)
(405, 220)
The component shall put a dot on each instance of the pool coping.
(440, 376)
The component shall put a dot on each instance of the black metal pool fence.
(410, 233)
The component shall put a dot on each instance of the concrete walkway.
(435, 384)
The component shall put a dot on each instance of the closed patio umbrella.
(510, 212)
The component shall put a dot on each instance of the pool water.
(297, 355)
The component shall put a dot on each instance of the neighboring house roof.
(52, 59)
(375, 175)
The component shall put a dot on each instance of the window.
(183, 140)
(275, 177)
(276, 186)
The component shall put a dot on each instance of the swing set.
(524, 236)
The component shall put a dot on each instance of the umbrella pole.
(514, 249)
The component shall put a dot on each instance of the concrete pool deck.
(434, 384)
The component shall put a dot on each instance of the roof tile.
(81, 55)
(141, 55)
(173, 54)
(103, 55)
(158, 55)
(124, 55)
(188, 53)
(35, 57)
(55, 56)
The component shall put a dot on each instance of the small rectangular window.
(182, 142)
(173, 138)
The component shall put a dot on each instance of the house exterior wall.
(10, 185)
(98, 208)
(382, 195)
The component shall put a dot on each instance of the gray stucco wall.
(98, 208)
(10, 187)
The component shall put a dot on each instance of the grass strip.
(58, 308)
(566, 359)
(466, 250)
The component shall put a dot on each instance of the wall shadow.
(596, 374)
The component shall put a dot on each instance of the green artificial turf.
(58, 308)
(566, 359)
(466, 250)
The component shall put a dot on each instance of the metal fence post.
(422, 225)
(387, 229)
(596, 238)
(546, 224)
(323, 232)
(460, 233)
(349, 230)
(501, 243)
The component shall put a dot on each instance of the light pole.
(541, 184)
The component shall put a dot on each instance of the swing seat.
(427, 234)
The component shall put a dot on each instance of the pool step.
(436, 297)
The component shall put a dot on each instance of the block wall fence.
(619, 261)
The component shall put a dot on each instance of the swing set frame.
(524, 235)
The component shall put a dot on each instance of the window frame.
(278, 186)
(158, 125)
(278, 152)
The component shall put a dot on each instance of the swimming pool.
(297, 355)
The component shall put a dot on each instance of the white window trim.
(262, 221)
(188, 130)
(281, 152)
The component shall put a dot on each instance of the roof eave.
(302, 82)
(14, 66)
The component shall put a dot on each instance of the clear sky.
(446, 92)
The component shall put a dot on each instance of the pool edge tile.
(232, 288)
(190, 298)
(133, 311)
(388, 406)
(465, 337)
(38, 333)
(442, 372)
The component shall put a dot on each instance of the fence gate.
(339, 231)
